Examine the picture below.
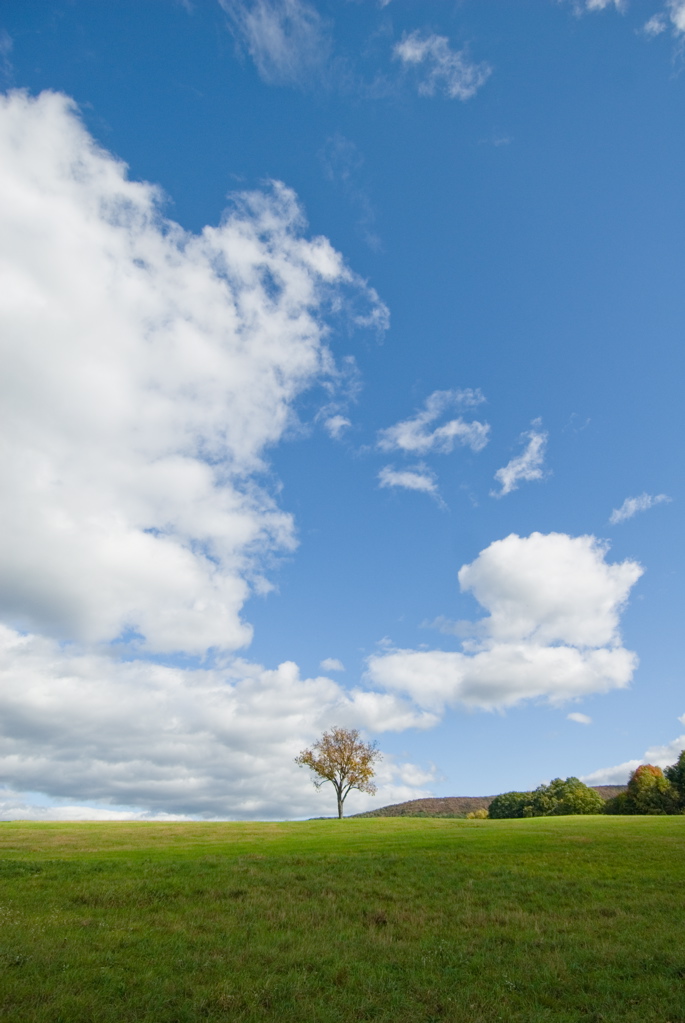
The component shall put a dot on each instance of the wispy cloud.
(676, 9)
(288, 40)
(655, 26)
(342, 164)
(526, 466)
(673, 14)
(335, 426)
(6, 46)
(419, 478)
(632, 505)
(581, 6)
(580, 719)
(342, 387)
(415, 436)
(600, 5)
(445, 71)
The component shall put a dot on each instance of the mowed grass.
(409, 921)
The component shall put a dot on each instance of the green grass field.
(397, 920)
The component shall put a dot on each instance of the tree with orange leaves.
(343, 759)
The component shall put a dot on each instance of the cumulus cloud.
(420, 478)
(332, 664)
(216, 743)
(145, 372)
(287, 39)
(444, 70)
(580, 719)
(419, 435)
(554, 605)
(660, 756)
(632, 505)
(526, 466)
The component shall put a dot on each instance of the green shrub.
(570, 797)
(511, 804)
(558, 799)
(618, 804)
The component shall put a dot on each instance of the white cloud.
(673, 13)
(580, 719)
(660, 756)
(526, 466)
(655, 25)
(332, 664)
(287, 39)
(552, 632)
(676, 10)
(216, 743)
(550, 588)
(145, 371)
(13, 806)
(447, 71)
(617, 775)
(600, 5)
(419, 478)
(581, 6)
(336, 426)
(632, 505)
(415, 436)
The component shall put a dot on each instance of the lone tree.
(344, 760)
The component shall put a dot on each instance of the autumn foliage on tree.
(343, 759)
(648, 791)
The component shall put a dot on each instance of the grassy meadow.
(388, 919)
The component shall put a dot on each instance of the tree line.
(649, 791)
(342, 758)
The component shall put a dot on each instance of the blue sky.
(391, 343)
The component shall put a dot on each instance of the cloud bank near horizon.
(659, 756)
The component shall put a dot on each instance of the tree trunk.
(340, 805)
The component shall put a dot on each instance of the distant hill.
(456, 806)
